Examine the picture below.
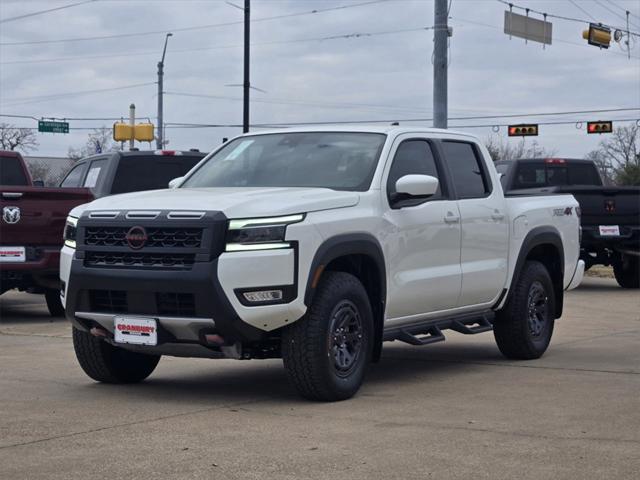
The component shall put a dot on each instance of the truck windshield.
(336, 160)
(11, 172)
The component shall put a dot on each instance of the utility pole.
(440, 63)
(245, 84)
(159, 139)
(132, 122)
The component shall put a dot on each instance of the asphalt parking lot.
(451, 410)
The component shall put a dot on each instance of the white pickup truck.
(316, 246)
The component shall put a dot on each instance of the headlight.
(259, 233)
(70, 230)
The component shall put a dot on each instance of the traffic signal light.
(600, 127)
(597, 35)
(524, 130)
(123, 132)
(143, 132)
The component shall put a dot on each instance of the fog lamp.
(263, 296)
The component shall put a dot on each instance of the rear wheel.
(523, 328)
(327, 352)
(108, 364)
(627, 271)
(54, 304)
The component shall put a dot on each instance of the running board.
(430, 331)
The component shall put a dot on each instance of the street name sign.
(527, 28)
(53, 127)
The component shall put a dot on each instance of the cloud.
(374, 77)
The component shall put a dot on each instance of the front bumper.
(40, 269)
(187, 304)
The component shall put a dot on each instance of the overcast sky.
(366, 77)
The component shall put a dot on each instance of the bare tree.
(618, 156)
(99, 141)
(15, 138)
(623, 147)
(503, 150)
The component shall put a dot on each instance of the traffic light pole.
(440, 64)
(159, 137)
(246, 85)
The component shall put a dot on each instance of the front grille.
(156, 237)
(176, 304)
(139, 260)
(109, 301)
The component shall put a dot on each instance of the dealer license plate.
(136, 330)
(12, 254)
(609, 230)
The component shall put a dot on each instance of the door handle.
(497, 216)
(452, 219)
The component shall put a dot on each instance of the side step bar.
(430, 331)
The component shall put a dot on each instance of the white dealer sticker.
(136, 330)
(609, 230)
(12, 254)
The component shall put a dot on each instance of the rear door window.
(530, 175)
(12, 172)
(467, 170)
(136, 173)
(96, 172)
(74, 177)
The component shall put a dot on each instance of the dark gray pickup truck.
(133, 171)
(610, 215)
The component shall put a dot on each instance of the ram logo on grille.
(136, 238)
(610, 206)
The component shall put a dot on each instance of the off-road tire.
(108, 364)
(308, 348)
(627, 272)
(54, 304)
(512, 327)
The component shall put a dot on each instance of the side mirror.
(175, 182)
(38, 183)
(417, 186)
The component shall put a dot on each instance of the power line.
(347, 36)
(476, 117)
(196, 27)
(41, 12)
(407, 120)
(301, 124)
(582, 10)
(568, 42)
(561, 17)
(625, 10)
(46, 98)
(613, 12)
(278, 101)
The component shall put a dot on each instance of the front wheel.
(627, 271)
(523, 328)
(108, 364)
(327, 352)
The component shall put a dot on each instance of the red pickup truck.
(31, 225)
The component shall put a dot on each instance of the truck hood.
(233, 202)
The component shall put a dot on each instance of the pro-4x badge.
(11, 215)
